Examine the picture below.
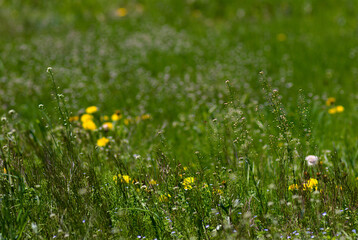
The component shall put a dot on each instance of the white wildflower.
(311, 160)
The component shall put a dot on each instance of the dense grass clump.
(178, 119)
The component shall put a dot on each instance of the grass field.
(174, 119)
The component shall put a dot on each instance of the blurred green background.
(172, 58)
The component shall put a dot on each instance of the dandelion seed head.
(311, 160)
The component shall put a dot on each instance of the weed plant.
(178, 120)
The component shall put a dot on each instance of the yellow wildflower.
(115, 178)
(91, 109)
(127, 121)
(164, 198)
(145, 117)
(187, 182)
(86, 117)
(116, 116)
(293, 187)
(121, 12)
(5, 170)
(330, 101)
(339, 108)
(126, 178)
(123, 178)
(152, 182)
(311, 184)
(188, 187)
(206, 188)
(89, 125)
(105, 118)
(73, 118)
(185, 168)
(218, 191)
(107, 126)
(332, 111)
(102, 142)
(281, 37)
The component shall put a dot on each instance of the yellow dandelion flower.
(311, 184)
(116, 116)
(86, 117)
(330, 101)
(126, 178)
(115, 178)
(123, 178)
(91, 109)
(332, 111)
(127, 121)
(107, 126)
(164, 198)
(293, 187)
(152, 182)
(89, 125)
(104, 118)
(102, 142)
(339, 108)
(206, 188)
(187, 183)
(218, 191)
(281, 37)
(5, 170)
(188, 180)
(73, 118)
(145, 117)
(121, 12)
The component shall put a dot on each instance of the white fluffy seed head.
(312, 160)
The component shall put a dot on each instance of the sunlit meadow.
(190, 119)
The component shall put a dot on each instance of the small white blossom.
(311, 160)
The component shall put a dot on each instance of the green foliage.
(206, 113)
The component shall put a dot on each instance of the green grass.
(236, 93)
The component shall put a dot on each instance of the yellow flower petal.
(89, 125)
(116, 117)
(91, 109)
(152, 182)
(330, 101)
(73, 118)
(102, 142)
(332, 111)
(126, 178)
(340, 109)
(281, 37)
(121, 12)
(107, 126)
(85, 117)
